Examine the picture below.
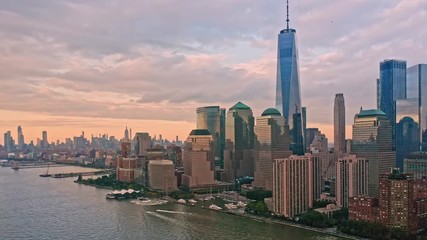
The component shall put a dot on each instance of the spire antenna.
(287, 15)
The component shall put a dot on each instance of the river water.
(32, 207)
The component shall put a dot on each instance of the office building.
(351, 178)
(238, 153)
(407, 134)
(162, 175)
(304, 127)
(339, 124)
(372, 140)
(417, 88)
(126, 135)
(44, 143)
(212, 118)
(142, 143)
(309, 137)
(392, 88)
(288, 98)
(271, 142)
(416, 164)
(198, 159)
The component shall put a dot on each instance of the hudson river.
(32, 207)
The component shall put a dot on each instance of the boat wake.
(172, 212)
(161, 216)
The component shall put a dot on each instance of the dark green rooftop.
(200, 132)
(240, 105)
(371, 113)
(271, 112)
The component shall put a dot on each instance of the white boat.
(214, 207)
(230, 206)
(208, 198)
(241, 204)
(182, 201)
(192, 201)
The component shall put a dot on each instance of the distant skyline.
(68, 66)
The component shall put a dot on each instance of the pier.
(68, 175)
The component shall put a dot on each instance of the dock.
(68, 175)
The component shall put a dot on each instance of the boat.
(182, 201)
(230, 206)
(47, 173)
(192, 201)
(215, 207)
(241, 204)
(110, 196)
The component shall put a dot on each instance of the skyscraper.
(407, 133)
(238, 154)
(20, 138)
(339, 124)
(352, 178)
(126, 133)
(212, 118)
(372, 140)
(45, 142)
(417, 88)
(392, 87)
(198, 159)
(142, 143)
(288, 99)
(271, 142)
(304, 127)
(292, 186)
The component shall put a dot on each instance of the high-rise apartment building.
(271, 142)
(351, 178)
(402, 203)
(288, 98)
(198, 159)
(372, 140)
(21, 141)
(238, 154)
(392, 88)
(212, 118)
(417, 88)
(292, 186)
(339, 124)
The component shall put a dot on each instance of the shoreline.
(295, 225)
(262, 219)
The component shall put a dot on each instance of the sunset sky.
(99, 65)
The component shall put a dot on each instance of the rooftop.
(271, 112)
(161, 162)
(200, 132)
(371, 113)
(240, 105)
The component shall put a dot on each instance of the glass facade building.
(288, 99)
(392, 87)
(212, 118)
(238, 153)
(372, 140)
(407, 129)
(417, 88)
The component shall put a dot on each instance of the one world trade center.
(288, 97)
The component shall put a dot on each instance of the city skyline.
(88, 74)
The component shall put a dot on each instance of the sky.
(99, 65)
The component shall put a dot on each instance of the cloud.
(160, 60)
